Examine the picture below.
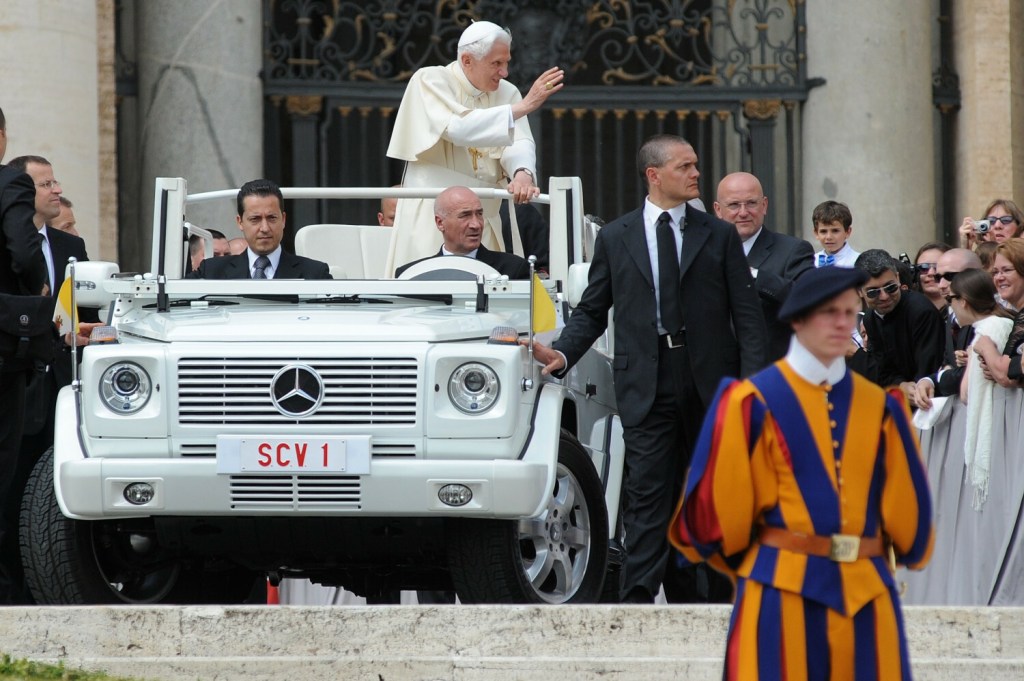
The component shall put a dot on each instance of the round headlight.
(125, 387)
(474, 388)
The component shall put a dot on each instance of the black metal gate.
(728, 75)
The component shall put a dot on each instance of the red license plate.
(291, 455)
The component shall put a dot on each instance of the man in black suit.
(905, 332)
(262, 220)
(459, 217)
(946, 381)
(776, 260)
(683, 321)
(22, 272)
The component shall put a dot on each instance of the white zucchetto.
(478, 30)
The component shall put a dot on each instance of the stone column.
(989, 59)
(49, 95)
(867, 133)
(200, 107)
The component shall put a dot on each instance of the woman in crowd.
(973, 301)
(927, 278)
(1005, 222)
(1008, 276)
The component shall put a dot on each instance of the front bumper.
(93, 488)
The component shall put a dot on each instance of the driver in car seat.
(459, 217)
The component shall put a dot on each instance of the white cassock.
(450, 133)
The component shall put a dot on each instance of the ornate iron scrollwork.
(689, 43)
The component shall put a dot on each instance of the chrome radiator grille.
(357, 391)
(295, 491)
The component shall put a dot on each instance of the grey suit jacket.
(237, 267)
(725, 332)
(779, 259)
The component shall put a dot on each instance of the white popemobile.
(368, 433)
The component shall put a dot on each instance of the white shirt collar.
(274, 257)
(471, 254)
(652, 213)
(810, 368)
(749, 243)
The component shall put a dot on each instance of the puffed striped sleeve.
(906, 501)
(721, 498)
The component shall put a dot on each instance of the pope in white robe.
(464, 124)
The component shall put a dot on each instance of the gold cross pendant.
(475, 154)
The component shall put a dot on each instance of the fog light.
(139, 493)
(455, 495)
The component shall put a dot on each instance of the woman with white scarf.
(973, 300)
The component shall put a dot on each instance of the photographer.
(1001, 220)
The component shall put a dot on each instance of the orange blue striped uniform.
(779, 451)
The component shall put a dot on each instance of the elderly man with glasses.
(946, 381)
(905, 332)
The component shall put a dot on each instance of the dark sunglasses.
(924, 266)
(948, 276)
(1005, 219)
(951, 297)
(891, 288)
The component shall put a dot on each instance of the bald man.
(459, 217)
(776, 260)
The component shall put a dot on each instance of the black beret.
(817, 286)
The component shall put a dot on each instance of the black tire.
(559, 557)
(78, 562)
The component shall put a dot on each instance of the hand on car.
(84, 331)
(551, 359)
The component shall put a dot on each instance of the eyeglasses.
(948, 276)
(1005, 219)
(49, 184)
(735, 206)
(924, 266)
(890, 289)
(951, 297)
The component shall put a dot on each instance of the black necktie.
(262, 263)
(668, 276)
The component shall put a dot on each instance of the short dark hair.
(21, 162)
(66, 202)
(940, 246)
(259, 188)
(876, 262)
(653, 152)
(3, 121)
(827, 212)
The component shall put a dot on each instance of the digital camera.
(982, 226)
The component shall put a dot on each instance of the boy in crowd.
(832, 228)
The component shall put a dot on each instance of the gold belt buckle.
(845, 548)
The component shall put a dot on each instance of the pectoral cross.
(474, 155)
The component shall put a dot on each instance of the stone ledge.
(465, 643)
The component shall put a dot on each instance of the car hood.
(302, 323)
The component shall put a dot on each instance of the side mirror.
(89, 278)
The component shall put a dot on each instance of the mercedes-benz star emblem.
(297, 390)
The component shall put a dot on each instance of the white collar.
(463, 79)
(471, 254)
(748, 243)
(810, 368)
(274, 257)
(652, 213)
